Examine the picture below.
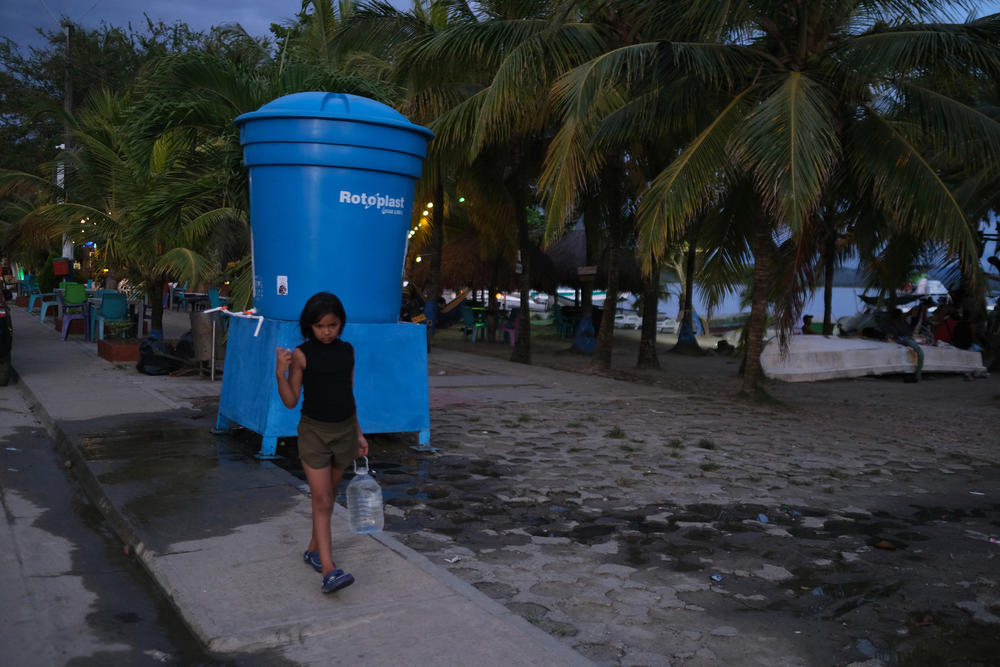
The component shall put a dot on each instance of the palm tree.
(196, 96)
(795, 90)
(377, 38)
(503, 55)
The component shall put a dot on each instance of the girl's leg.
(323, 484)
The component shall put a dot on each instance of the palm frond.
(904, 184)
(790, 144)
(689, 183)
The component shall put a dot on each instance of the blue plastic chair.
(113, 309)
(35, 294)
(214, 300)
(44, 310)
(564, 325)
(180, 297)
(472, 324)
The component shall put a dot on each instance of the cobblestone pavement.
(849, 521)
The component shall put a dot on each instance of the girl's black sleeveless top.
(328, 394)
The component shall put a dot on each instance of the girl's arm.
(289, 367)
(362, 441)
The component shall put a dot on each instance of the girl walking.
(329, 435)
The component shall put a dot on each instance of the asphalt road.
(71, 595)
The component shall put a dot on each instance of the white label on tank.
(282, 285)
(386, 204)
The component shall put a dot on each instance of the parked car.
(666, 325)
(6, 334)
(627, 321)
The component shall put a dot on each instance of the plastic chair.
(54, 302)
(472, 325)
(563, 325)
(113, 308)
(180, 297)
(72, 302)
(214, 300)
(35, 294)
(509, 328)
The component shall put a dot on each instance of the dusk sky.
(20, 18)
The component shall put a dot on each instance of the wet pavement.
(637, 523)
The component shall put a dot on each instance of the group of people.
(919, 326)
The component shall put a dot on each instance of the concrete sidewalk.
(222, 533)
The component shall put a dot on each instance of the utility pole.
(67, 245)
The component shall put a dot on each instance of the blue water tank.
(331, 194)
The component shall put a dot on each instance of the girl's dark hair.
(319, 305)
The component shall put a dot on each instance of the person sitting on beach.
(944, 330)
(920, 322)
(898, 331)
(807, 321)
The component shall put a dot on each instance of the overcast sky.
(20, 18)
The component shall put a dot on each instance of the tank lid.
(334, 106)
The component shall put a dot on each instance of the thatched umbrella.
(570, 252)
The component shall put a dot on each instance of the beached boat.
(810, 358)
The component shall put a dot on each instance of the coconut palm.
(793, 91)
(502, 56)
(376, 38)
(196, 96)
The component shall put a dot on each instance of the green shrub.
(47, 280)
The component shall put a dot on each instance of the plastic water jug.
(364, 501)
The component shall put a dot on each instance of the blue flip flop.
(336, 580)
(312, 558)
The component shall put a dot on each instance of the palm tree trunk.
(687, 341)
(154, 292)
(492, 305)
(591, 234)
(650, 304)
(605, 335)
(522, 346)
(757, 324)
(828, 270)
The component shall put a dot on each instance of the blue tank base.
(268, 447)
(222, 426)
(424, 442)
(390, 379)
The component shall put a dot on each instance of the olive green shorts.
(328, 443)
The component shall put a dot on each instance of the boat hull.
(811, 358)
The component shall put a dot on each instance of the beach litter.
(716, 577)
(762, 518)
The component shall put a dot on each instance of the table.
(196, 299)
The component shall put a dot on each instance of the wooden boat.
(811, 358)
